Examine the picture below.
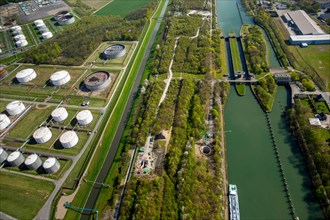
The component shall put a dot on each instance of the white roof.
(1, 150)
(3, 117)
(59, 75)
(314, 121)
(41, 132)
(83, 114)
(305, 24)
(49, 162)
(68, 136)
(14, 104)
(39, 21)
(31, 159)
(13, 156)
(58, 112)
(47, 34)
(310, 37)
(24, 73)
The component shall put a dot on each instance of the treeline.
(79, 7)
(184, 6)
(316, 148)
(4, 2)
(265, 91)
(255, 49)
(74, 45)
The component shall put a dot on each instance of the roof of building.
(314, 121)
(309, 37)
(278, 75)
(305, 24)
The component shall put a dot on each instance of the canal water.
(252, 162)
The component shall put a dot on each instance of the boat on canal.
(233, 203)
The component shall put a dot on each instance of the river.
(251, 158)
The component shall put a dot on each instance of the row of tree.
(265, 91)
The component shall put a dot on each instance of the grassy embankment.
(235, 55)
(118, 105)
(240, 88)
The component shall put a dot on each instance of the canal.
(252, 162)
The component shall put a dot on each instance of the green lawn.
(121, 7)
(235, 55)
(22, 197)
(321, 107)
(240, 88)
(223, 57)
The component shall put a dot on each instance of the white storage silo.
(51, 165)
(47, 35)
(15, 108)
(23, 43)
(42, 135)
(38, 22)
(3, 155)
(14, 28)
(17, 32)
(4, 121)
(40, 25)
(84, 117)
(26, 75)
(59, 114)
(15, 159)
(69, 139)
(60, 78)
(19, 37)
(33, 162)
(43, 29)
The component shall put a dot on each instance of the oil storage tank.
(38, 22)
(47, 35)
(42, 135)
(21, 43)
(60, 78)
(51, 165)
(15, 108)
(114, 51)
(66, 20)
(43, 29)
(14, 28)
(69, 139)
(19, 37)
(84, 117)
(33, 162)
(4, 121)
(3, 155)
(15, 159)
(17, 32)
(97, 80)
(59, 114)
(26, 75)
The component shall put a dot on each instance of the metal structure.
(42, 135)
(51, 165)
(84, 117)
(33, 162)
(69, 139)
(47, 35)
(26, 75)
(4, 121)
(68, 206)
(59, 114)
(3, 155)
(114, 51)
(15, 159)
(15, 108)
(97, 80)
(60, 78)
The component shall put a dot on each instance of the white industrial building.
(69, 139)
(15, 159)
(19, 37)
(42, 135)
(47, 35)
(26, 75)
(310, 39)
(3, 155)
(15, 108)
(59, 114)
(4, 121)
(51, 165)
(84, 117)
(60, 78)
(33, 162)
(21, 43)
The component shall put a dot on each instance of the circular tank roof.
(58, 112)
(31, 159)
(114, 49)
(25, 72)
(47, 34)
(14, 104)
(83, 114)
(96, 78)
(59, 75)
(39, 21)
(49, 162)
(68, 136)
(41, 132)
(3, 117)
(65, 17)
(13, 156)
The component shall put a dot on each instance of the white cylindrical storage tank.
(15, 108)
(17, 32)
(33, 162)
(51, 165)
(47, 35)
(40, 25)
(39, 21)
(14, 28)
(43, 29)
(26, 75)
(42, 135)
(3, 155)
(4, 121)
(59, 114)
(15, 159)
(24, 43)
(60, 78)
(84, 117)
(69, 139)
(19, 37)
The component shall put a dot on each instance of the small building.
(239, 74)
(310, 39)
(314, 121)
(303, 24)
(282, 78)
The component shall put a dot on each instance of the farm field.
(121, 7)
(24, 192)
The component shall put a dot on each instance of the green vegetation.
(240, 88)
(306, 83)
(124, 8)
(27, 193)
(265, 90)
(80, 7)
(235, 55)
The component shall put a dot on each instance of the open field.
(235, 55)
(24, 192)
(95, 4)
(121, 7)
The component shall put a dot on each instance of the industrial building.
(4, 121)
(26, 75)
(33, 162)
(282, 78)
(84, 117)
(310, 39)
(15, 108)
(302, 23)
(69, 139)
(51, 165)
(15, 159)
(3, 155)
(59, 114)
(60, 78)
(97, 80)
(42, 135)
(114, 51)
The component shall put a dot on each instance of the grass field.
(240, 88)
(223, 57)
(121, 7)
(3, 45)
(22, 197)
(235, 55)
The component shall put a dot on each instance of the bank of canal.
(252, 161)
